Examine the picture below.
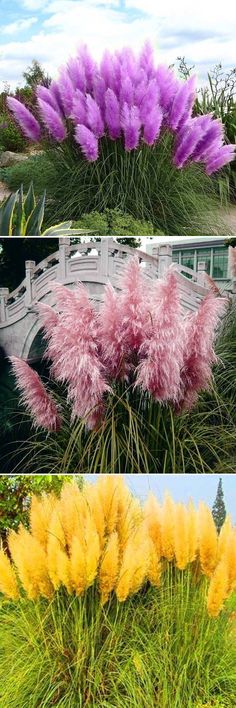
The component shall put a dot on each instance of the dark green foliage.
(35, 74)
(218, 509)
(15, 492)
(113, 223)
(11, 137)
(13, 255)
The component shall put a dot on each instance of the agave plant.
(23, 216)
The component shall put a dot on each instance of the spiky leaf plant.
(109, 602)
(23, 216)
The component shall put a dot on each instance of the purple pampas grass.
(152, 126)
(52, 121)
(182, 103)
(112, 114)
(131, 124)
(66, 92)
(78, 112)
(28, 123)
(87, 141)
(222, 156)
(94, 118)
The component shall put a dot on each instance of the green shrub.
(113, 223)
(11, 137)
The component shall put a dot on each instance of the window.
(220, 263)
(204, 255)
(175, 256)
(187, 259)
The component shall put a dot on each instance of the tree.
(218, 509)
(35, 74)
(15, 493)
(15, 252)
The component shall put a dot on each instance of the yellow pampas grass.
(8, 582)
(109, 567)
(208, 540)
(104, 536)
(218, 589)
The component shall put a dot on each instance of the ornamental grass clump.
(111, 601)
(119, 132)
(139, 338)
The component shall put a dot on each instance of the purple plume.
(167, 84)
(52, 120)
(127, 92)
(94, 118)
(182, 103)
(191, 137)
(28, 123)
(66, 90)
(225, 154)
(77, 74)
(78, 112)
(152, 126)
(112, 114)
(87, 141)
(131, 124)
(46, 95)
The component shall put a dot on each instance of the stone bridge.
(91, 263)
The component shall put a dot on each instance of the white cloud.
(203, 34)
(19, 25)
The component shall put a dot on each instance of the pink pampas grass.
(73, 348)
(159, 372)
(35, 397)
(199, 355)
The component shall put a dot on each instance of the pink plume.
(199, 354)
(160, 371)
(35, 396)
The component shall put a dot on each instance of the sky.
(51, 30)
(202, 487)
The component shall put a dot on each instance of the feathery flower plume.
(48, 97)
(182, 103)
(8, 582)
(35, 396)
(218, 590)
(159, 372)
(112, 114)
(109, 567)
(181, 540)
(208, 540)
(199, 355)
(110, 334)
(28, 123)
(52, 120)
(153, 522)
(131, 124)
(94, 117)
(167, 529)
(87, 141)
(40, 515)
(66, 91)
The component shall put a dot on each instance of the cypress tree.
(218, 509)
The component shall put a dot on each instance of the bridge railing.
(93, 263)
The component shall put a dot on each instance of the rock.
(4, 192)
(7, 158)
